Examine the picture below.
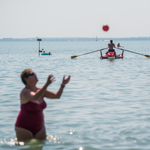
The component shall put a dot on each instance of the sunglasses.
(30, 74)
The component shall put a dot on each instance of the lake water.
(106, 104)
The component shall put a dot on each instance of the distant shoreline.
(75, 39)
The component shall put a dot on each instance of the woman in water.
(30, 120)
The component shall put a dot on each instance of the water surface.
(104, 106)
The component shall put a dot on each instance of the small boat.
(111, 55)
(46, 53)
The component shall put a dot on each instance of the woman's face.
(31, 78)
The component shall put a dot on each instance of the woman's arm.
(49, 94)
(52, 95)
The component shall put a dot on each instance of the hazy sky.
(74, 18)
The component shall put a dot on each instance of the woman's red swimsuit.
(31, 116)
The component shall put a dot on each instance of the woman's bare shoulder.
(24, 91)
(25, 95)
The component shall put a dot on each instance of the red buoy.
(105, 27)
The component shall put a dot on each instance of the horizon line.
(74, 37)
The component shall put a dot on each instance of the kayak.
(111, 55)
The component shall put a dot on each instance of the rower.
(111, 45)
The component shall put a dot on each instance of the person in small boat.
(111, 45)
(49, 53)
(118, 45)
(43, 51)
(30, 121)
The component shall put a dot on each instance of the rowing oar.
(134, 52)
(87, 53)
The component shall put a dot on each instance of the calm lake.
(106, 104)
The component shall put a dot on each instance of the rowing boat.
(111, 55)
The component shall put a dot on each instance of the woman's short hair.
(111, 41)
(24, 75)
